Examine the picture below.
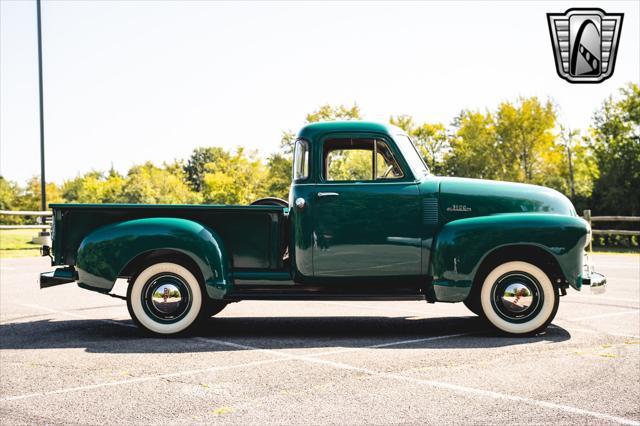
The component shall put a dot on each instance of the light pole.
(44, 236)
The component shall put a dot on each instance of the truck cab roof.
(311, 131)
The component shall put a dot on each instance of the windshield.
(412, 156)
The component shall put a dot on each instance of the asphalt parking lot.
(71, 356)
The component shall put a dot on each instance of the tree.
(9, 194)
(149, 184)
(334, 113)
(94, 187)
(404, 121)
(238, 178)
(278, 176)
(616, 145)
(431, 139)
(524, 133)
(197, 162)
(10, 200)
(30, 199)
(473, 146)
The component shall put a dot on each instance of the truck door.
(367, 211)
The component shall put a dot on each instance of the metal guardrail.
(41, 214)
(587, 216)
(25, 213)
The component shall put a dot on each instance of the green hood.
(462, 198)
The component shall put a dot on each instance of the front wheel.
(519, 298)
(166, 298)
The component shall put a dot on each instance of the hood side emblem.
(459, 208)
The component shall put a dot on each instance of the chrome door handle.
(327, 194)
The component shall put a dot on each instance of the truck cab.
(365, 219)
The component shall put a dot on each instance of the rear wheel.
(519, 298)
(166, 298)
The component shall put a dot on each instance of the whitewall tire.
(519, 298)
(165, 298)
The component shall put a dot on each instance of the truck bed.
(253, 235)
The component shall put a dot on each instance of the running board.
(237, 296)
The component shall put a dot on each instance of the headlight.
(589, 236)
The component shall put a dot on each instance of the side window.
(301, 160)
(359, 160)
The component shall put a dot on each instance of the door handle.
(327, 194)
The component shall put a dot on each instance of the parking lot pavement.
(72, 356)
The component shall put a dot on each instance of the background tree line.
(520, 141)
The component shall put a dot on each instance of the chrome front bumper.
(596, 281)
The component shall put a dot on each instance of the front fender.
(462, 245)
(104, 253)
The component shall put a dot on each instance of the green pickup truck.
(365, 220)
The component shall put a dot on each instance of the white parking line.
(611, 314)
(281, 357)
(137, 380)
(464, 390)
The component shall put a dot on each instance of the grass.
(616, 250)
(17, 243)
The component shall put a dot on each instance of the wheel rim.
(517, 297)
(166, 298)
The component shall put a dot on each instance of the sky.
(129, 82)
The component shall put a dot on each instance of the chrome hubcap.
(517, 297)
(166, 298)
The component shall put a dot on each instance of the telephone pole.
(44, 236)
(43, 191)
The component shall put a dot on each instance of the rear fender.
(462, 245)
(104, 254)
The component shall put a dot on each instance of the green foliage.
(278, 176)
(616, 145)
(195, 168)
(9, 194)
(94, 187)
(145, 183)
(148, 184)
(238, 178)
(10, 200)
(519, 142)
(330, 113)
(524, 133)
(431, 139)
(473, 146)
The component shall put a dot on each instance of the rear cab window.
(301, 160)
